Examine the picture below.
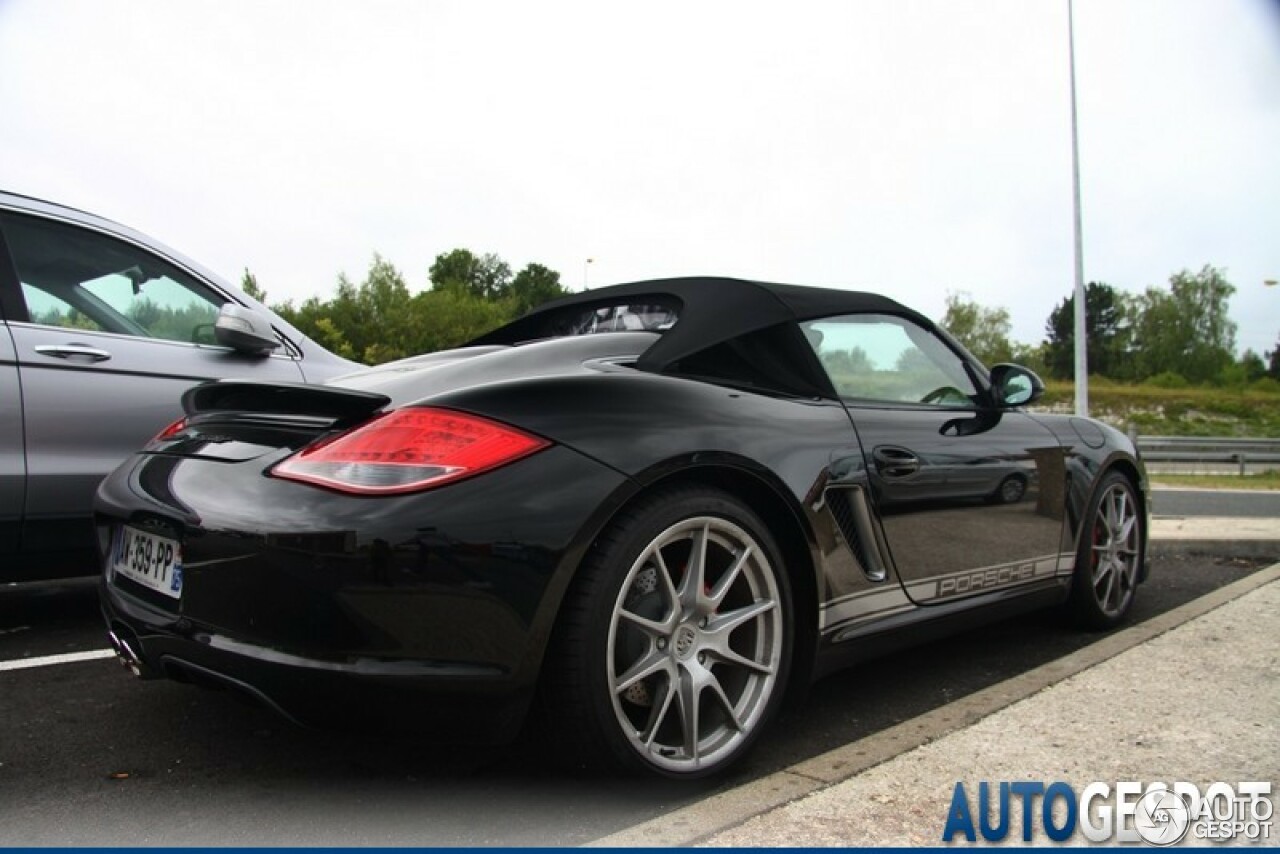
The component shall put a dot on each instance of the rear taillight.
(408, 450)
(172, 430)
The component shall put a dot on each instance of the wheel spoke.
(665, 580)
(728, 621)
(657, 714)
(1102, 574)
(1126, 529)
(687, 703)
(653, 662)
(1118, 510)
(652, 628)
(718, 690)
(726, 581)
(728, 655)
(1128, 574)
(694, 581)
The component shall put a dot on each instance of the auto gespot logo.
(1155, 813)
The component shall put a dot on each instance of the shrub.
(1168, 379)
(1266, 385)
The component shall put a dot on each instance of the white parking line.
(47, 660)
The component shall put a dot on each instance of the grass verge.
(1262, 480)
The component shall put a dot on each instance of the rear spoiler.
(281, 399)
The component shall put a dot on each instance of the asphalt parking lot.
(90, 756)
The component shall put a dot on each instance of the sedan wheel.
(1110, 555)
(686, 633)
(1012, 488)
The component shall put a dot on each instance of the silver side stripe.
(983, 579)
(870, 604)
(887, 600)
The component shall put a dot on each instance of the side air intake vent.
(849, 508)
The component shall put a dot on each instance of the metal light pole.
(585, 265)
(1082, 349)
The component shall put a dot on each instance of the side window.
(80, 279)
(883, 358)
(46, 309)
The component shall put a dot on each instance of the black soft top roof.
(710, 310)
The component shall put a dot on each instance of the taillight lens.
(409, 450)
(172, 430)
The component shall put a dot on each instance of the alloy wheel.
(695, 644)
(1115, 550)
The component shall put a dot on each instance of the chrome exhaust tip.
(125, 655)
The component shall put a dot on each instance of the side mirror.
(1014, 385)
(244, 330)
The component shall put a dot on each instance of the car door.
(964, 492)
(107, 335)
(13, 463)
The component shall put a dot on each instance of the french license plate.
(154, 562)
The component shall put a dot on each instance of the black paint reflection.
(957, 493)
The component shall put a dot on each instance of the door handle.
(73, 351)
(896, 462)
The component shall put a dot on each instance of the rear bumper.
(401, 613)
(418, 698)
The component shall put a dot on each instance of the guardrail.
(1210, 450)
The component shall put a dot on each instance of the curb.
(1252, 548)
(688, 825)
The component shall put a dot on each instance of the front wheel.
(1109, 558)
(673, 647)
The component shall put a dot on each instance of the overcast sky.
(914, 148)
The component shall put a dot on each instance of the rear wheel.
(1110, 555)
(672, 650)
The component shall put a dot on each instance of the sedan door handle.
(896, 462)
(73, 351)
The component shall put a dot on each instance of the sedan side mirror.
(1014, 385)
(244, 330)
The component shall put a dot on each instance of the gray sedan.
(101, 330)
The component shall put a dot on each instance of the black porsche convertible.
(647, 510)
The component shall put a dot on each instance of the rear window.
(622, 317)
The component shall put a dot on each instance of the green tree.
(370, 321)
(534, 285)
(983, 331)
(1185, 330)
(485, 276)
(1248, 369)
(249, 284)
(1273, 362)
(378, 319)
(1106, 334)
(448, 318)
(1033, 356)
(328, 335)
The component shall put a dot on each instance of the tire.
(1109, 557)
(672, 649)
(1011, 490)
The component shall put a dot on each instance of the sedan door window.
(77, 279)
